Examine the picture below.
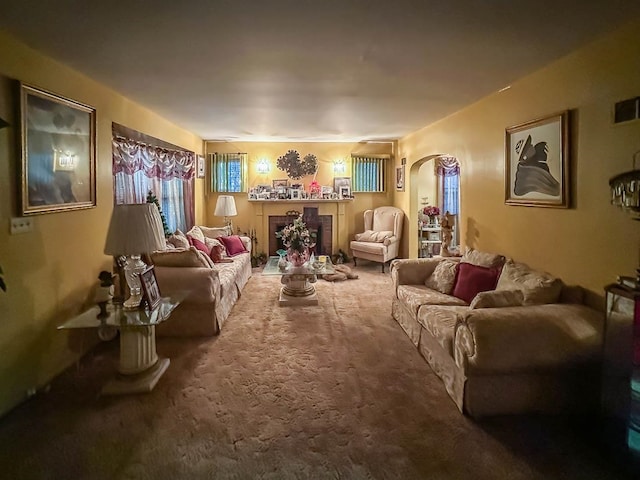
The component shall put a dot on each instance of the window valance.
(130, 156)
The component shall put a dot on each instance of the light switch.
(21, 225)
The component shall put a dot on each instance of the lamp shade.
(134, 229)
(225, 206)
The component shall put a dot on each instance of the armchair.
(380, 242)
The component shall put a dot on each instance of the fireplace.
(322, 225)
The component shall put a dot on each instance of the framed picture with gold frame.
(58, 153)
(537, 162)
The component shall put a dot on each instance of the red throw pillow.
(233, 244)
(473, 279)
(199, 245)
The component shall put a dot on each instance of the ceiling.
(297, 70)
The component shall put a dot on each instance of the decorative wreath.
(296, 168)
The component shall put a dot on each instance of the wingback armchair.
(380, 241)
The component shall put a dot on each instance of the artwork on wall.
(400, 178)
(537, 162)
(200, 169)
(58, 143)
(296, 168)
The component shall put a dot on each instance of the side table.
(140, 367)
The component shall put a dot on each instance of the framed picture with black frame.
(150, 287)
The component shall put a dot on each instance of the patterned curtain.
(139, 168)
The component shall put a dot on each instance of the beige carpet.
(329, 392)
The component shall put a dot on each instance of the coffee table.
(297, 282)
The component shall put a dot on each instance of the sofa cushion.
(482, 259)
(440, 322)
(473, 279)
(414, 296)
(189, 257)
(199, 245)
(215, 232)
(178, 239)
(498, 298)
(195, 232)
(372, 236)
(538, 287)
(373, 248)
(443, 277)
(233, 244)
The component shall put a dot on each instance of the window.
(228, 172)
(448, 175)
(368, 173)
(139, 168)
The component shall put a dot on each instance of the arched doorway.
(434, 179)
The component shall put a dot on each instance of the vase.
(297, 258)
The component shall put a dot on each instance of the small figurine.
(446, 224)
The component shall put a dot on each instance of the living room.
(50, 270)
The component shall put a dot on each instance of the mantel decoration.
(297, 239)
(296, 168)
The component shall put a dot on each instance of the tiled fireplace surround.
(330, 217)
(322, 225)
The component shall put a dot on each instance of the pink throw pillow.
(473, 279)
(233, 244)
(199, 245)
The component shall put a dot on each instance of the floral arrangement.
(431, 211)
(296, 236)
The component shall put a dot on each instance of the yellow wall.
(251, 215)
(588, 244)
(50, 271)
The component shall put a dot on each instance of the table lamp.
(226, 207)
(134, 229)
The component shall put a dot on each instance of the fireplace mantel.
(336, 209)
(305, 200)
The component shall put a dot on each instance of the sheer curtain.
(139, 168)
(448, 173)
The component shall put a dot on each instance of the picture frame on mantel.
(339, 182)
(58, 153)
(537, 162)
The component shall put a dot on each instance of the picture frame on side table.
(58, 153)
(150, 289)
(400, 178)
(200, 168)
(537, 162)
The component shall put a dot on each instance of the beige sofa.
(529, 345)
(213, 288)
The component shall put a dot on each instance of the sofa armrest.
(246, 241)
(202, 283)
(412, 271)
(527, 338)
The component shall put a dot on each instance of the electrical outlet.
(21, 225)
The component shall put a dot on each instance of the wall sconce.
(339, 167)
(64, 161)
(625, 190)
(263, 166)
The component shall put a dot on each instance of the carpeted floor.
(333, 391)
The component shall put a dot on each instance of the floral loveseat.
(213, 267)
(503, 338)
